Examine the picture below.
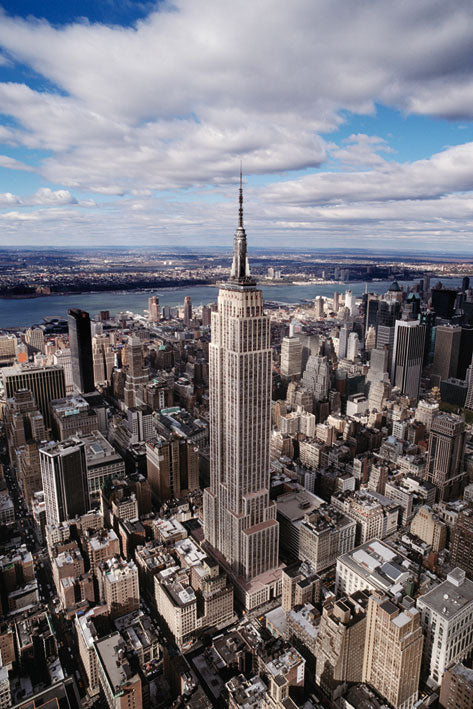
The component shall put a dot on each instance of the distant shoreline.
(177, 286)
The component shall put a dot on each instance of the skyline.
(353, 124)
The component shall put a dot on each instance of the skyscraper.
(393, 650)
(45, 383)
(153, 309)
(239, 518)
(80, 340)
(137, 375)
(64, 475)
(187, 310)
(408, 356)
(447, 351)
(291, 357)
(445, 455)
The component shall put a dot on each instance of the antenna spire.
(240, 210)
(240, 272)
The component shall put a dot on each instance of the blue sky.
(124, 123)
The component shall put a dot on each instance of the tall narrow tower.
(239, 518)
(80, 338)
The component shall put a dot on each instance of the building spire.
(240, 211)
(240, 272)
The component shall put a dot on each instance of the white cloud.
(47, 196)
(175, 101)
(448, 171)
(11, 163)
(44, 196)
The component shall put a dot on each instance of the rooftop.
(111, 654)
(381, 565)
(450, 597)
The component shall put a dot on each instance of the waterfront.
(28, 311)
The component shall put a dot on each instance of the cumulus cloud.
(448, 171)
(44, 196)
(174, 102)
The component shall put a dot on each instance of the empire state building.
(239, 518)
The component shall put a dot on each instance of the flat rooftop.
(296, 504)
(449, 597)
(116, 668)
(381, 565)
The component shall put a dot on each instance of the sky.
(124, 123)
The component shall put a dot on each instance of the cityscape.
(242, 504)
(236, 354)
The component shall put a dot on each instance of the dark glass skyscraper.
(80, 340)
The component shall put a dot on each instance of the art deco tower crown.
(240, 272)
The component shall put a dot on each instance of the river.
(23, 312)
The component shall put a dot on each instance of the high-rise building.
(137, 375)
(291, 357)
(25, 431)
(120, 683)
(103, 358)
(173, 466)
(425, 412)
(319, 307)
(457, 686)
(447, 351)
(324, 534)
(429, 527)
(340, 642)
(239, 518)
(63, 359)
(350, 302)
(447, 620)
(445, 455)
(34, 337)
(461, 546)
(317, 377)
(187, 310)
(80, 341)
(45, 383)
(119, 586)
(343, 342)
(466, 352)
(64, 475)
(370, 338)
(352, 346)
(408, 356)
(393, 650)
(469, 392)
(154, 313)
(443, 302)
(206, 316)
(8, 349)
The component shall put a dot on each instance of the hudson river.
(23, 312)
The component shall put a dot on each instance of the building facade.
(80, 341)
(239, 518)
